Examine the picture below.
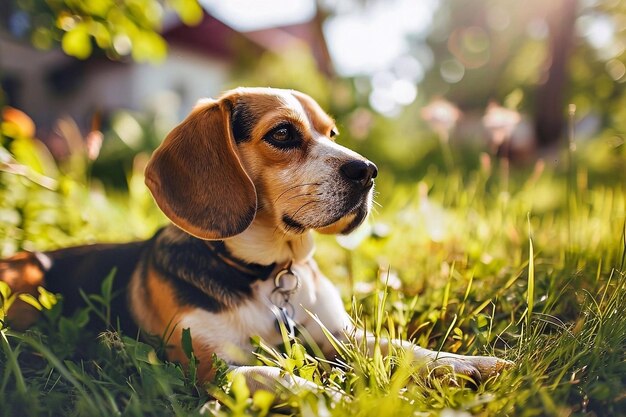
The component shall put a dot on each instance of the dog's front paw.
(477, 368)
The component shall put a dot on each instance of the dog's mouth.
(341, 221)
(346, 223)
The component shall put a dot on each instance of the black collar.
(254, 270)
(204, 273)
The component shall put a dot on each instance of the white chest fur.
(229, 333)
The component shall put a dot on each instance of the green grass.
(535, 274)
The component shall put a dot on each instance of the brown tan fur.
(24, 275)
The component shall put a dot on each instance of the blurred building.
(50, 84)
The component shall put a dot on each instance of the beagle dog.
(244, 180)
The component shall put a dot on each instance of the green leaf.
(193, 368)
(29, 299)
(190, 11)
(46, 298)
(289, 365)
(5, 290)
(149, 46)
(42, 38)
(101, 34)
(298, 353)
(25, 152)
(77, 42)
(239, 388)
(97, 7)
(144, 353)
(263, 400)
(55, 312)
(186, 342)
(308, 371)
(173, 373)
(81, 318)
(481, 321)
(6, 299)
(106, 288)
(221, 369)
(68, 330)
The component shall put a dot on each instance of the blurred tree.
(549, 108)
(278, 70)
(537, 55)
(117, 27)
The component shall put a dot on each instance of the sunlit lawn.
(532, 271)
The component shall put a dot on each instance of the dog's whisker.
(286, 228)
(294, 187)
(300, 195)
(303, 206)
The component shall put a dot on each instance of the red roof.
(215, 38)
(210, 36)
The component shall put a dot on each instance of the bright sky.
(372, 39)
(245, 15)
(362, 40)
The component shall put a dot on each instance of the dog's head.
(259, 153)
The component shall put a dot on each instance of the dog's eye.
(333, 133)
(281, 135)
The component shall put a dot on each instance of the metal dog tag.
(282, 316)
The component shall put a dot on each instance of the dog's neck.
(264, 244)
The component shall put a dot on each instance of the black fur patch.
(82, 269)
(361, 214)
(242, 122)
(199, 275)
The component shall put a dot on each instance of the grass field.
(531, 269)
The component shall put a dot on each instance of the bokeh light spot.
(452, 71)
(616, 69)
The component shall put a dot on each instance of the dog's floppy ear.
(197, 179)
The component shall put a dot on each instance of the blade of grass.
(446, 293)
(54, 361)
(530, 296)
(443, 340)
(12, 364)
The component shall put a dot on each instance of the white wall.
(186, 73)
(174, 85)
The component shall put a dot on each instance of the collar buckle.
(286, 281)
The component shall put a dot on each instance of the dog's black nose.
(360, 172)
